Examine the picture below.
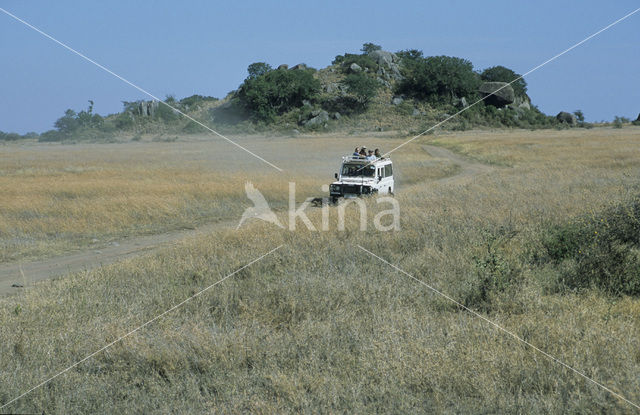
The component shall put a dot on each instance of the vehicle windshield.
(359, 169)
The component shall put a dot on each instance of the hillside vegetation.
(373, 90)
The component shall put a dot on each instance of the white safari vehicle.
(361, 177)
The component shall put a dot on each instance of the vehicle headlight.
(334, 188)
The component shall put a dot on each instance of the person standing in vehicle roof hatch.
(356, 152)
(363, 151)
(370, 156)
(377, 153)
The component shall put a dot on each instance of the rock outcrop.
(144, 108)
(355, 68)
(498, 94)
(522, 102)
(388, 64)
(318, 118)
(567, 118)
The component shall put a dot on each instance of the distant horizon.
(199, 48)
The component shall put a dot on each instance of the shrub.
(10, 136)
(344, 104)
(195, 101)
(71, 122)
(438, 79)
(494, 273)
(193, 127)
(363, 87)
(364, 61)
(503, 74)
(618, 122)
(51, 136)
(124, 120)
(165, 112)
(276, 92)
(599, 252)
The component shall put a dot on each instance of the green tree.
(409, 56)
(438, 79)
(88, 119)
(503, 74)
(258, 69)
(370, 47)
(68, 123)
(362, 87)
(276, 92)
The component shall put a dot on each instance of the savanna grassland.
(318, 325)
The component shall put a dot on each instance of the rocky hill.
(375, 90)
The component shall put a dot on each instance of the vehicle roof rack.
(351, 157)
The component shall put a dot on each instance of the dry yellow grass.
(59, 198)
(319, 326)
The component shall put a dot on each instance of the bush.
(72, 122)
(165, 112)
(124, 120)
(494, 273)
(363, 61)
(193, 127)
(618, 122)
(362, 87)
(10, 136)
(600, 252)
(438, 79)
(276, 92)
(195, 101)
(344, 104)
(502, 74)
(51, 136)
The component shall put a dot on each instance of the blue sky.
(204, 47)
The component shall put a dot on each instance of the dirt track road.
(469, 168)
(15, 277)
